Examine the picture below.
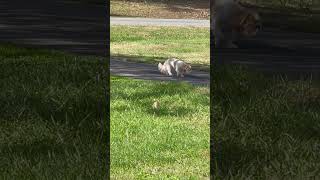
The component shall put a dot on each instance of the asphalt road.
(158, 22)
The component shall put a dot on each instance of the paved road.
(158, 22)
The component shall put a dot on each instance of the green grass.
(50, 125)
(154, 44)
(171, 142)
(264, 128)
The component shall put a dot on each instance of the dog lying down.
(174, 65)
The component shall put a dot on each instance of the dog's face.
(187, 68)
(250, 24)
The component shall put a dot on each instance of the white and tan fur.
(174, 65)
(232, 21)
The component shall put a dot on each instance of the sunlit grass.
(153, 44)
(169, 142)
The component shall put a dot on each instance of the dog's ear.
(188, 67)
(244, 18)
(249, 21)
(239, 21)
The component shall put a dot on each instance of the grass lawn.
(154, 44)
(264, 128)
(170, 142)
(192, 9)
(52, 126)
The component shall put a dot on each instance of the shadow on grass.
(10, 50)
(66, 93)
(57, 90)
(35, 149)
(258, 121)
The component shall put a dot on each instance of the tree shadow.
(36, 149)
(231, 157)
(55, 90)
(235, 146)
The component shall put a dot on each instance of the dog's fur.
(232, 21)
(174, 65)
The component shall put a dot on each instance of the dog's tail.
(160, 68)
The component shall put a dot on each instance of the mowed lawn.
(154, 44)
(53, 120)
(264, 128)
(171, 142)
